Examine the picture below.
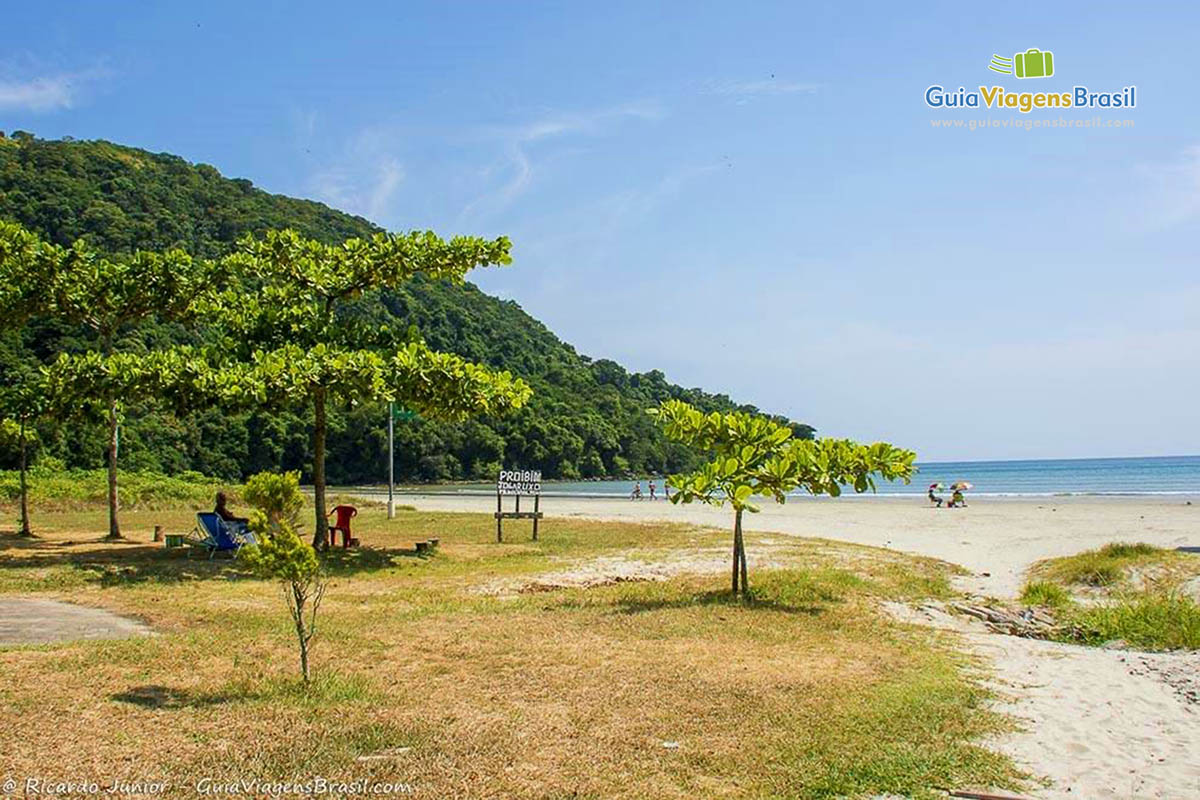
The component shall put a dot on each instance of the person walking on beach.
(652, 490)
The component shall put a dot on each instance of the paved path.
(29, 621)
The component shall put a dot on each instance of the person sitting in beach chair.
(958, 500)
(222, 511)
(933, 498)
(214, 535)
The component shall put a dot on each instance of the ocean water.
(1168, 475)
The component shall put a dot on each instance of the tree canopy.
(285, 303)
(751, 456)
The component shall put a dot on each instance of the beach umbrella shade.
(962, 485)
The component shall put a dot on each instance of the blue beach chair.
(214, 535)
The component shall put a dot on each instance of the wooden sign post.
(517, 483)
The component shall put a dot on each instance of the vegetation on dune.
(586, 417)
(1149, 620)
(1135, 593)
(1102, 567)
(1046, 594)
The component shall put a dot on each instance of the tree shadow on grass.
(126, 563)
(811, 603)
(347, 561)
(721, 598)
(136, 563)
(170, 698)
(325, 690)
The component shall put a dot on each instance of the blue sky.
(750, 197)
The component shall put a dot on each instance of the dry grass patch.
(638, 689)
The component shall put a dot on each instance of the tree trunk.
(114, 526)
(320, 530)
(300, 633)
(26, 530)
(737, 547)
(742, 553)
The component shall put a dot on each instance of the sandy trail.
(1100, 724)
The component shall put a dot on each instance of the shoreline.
(418, 491)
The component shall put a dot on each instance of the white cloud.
(367, 173)
(768, 87)
(1176, 189)
(518, 141)
(366, 176)
(44, 93)
(389, 177)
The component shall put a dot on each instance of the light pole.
(391, 462)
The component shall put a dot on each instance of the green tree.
(27, 264)
(281, 555)
(753, 456)
(311, 348)
(25, 261)
(109, 297)
(22, 402)
(21, 435)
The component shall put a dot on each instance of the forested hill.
(587, 417)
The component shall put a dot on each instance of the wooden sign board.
(518, 483)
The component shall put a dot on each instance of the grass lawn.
(1121, 591)
(653, 689)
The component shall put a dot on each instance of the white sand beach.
(1096, 723)
(996, 538)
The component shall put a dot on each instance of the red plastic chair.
(344, 515)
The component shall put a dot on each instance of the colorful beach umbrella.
(936, 486)
(962, 485)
